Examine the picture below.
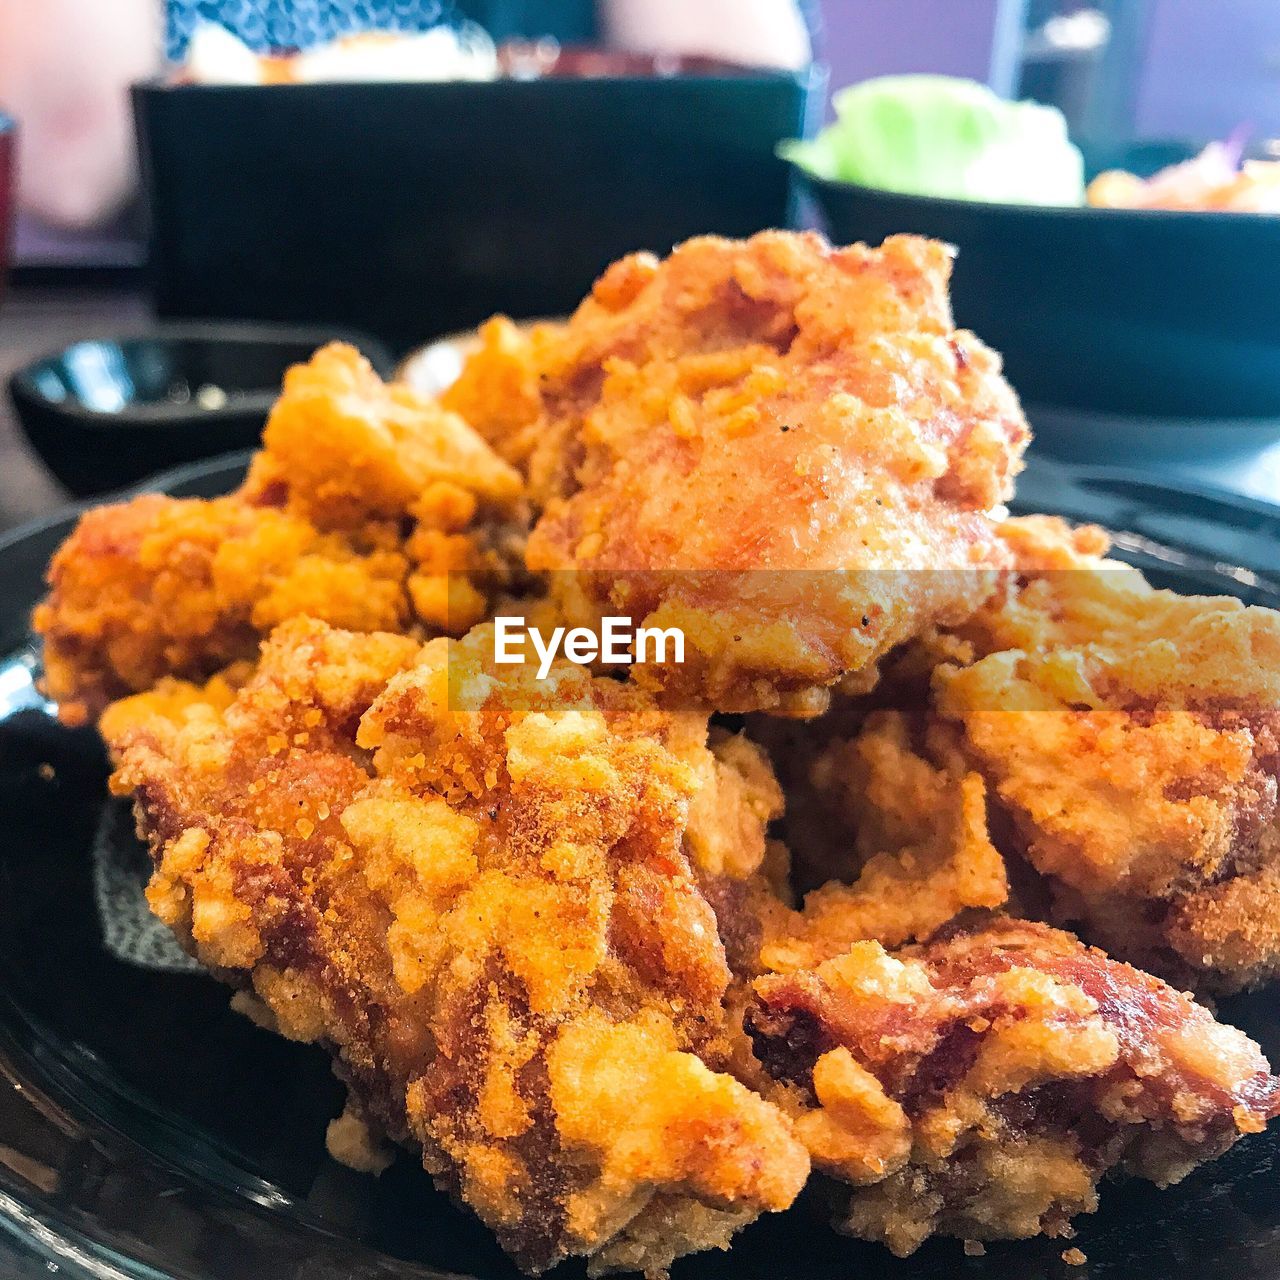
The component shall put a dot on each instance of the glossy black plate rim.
(174, 479)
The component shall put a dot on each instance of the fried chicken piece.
(170, 699)
(980, 1086)
(848, 800)
(921, 859)
(367, 508)
(485, 897)
(1040, 543)
(347, 447)
(785, 449)
(1128, 742)
(499, 388)
(160, 585)
(1130, 739)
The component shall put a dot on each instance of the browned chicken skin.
(361, 510)
(981, 1085)
(1130, 739)
(786, 450)
(1126, 744)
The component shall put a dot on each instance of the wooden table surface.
(34, 322)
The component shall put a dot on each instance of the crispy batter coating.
(367, 508)
(499, 389)
(786, 449)
(348, 447)
(546, 929)
(160, 585)
(981, 1085)
(858, 779)
(486, 898)
(911, 835)
(1129, 736)
(1127, 742)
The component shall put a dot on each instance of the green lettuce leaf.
(941, 136)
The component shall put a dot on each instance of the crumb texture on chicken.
(368, 508)
(485, 899)
(621, 952)
(979, 1086)
(1120, 748)
(786, 450)
(1129, 736)
(912, 842)
(499, 388)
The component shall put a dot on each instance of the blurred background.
(1119, 70)
(152, 180)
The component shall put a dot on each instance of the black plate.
(147, 1132)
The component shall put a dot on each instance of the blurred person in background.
(753, 33)
(770, 33)
(64, 69)
(65, 66)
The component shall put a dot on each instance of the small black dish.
(1123, 313)
(105, 413)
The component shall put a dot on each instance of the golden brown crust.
(161, 586)
(349, 448)
(486, 899)
(547, 928)
(1127, 741)
(499, 389)
(915, 846)
(786, 450)
(1130, 737)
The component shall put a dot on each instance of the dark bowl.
(105, 413)
(411, 210)
(1144, 313)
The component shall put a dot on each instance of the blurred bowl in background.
(1107, 315)
(1115, 439)
(106, 413)
(412, 210)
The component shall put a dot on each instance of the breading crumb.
(506, 917)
